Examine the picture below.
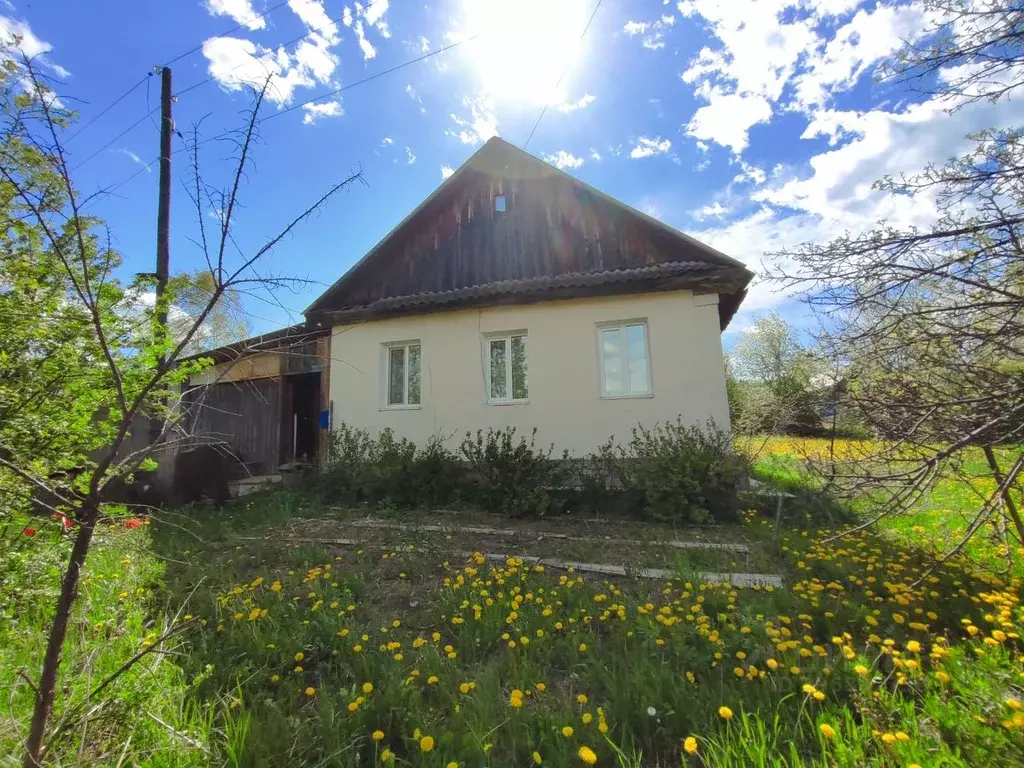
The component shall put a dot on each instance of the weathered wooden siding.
(245, 414)
(257, 366)
(551, 226)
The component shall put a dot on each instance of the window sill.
(509, 402)
(640, 396)
(400, 407)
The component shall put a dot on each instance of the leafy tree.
(771, 381)
(80, 366)
(225, 324)
(929, 323)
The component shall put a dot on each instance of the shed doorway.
(301, 432)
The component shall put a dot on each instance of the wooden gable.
(506, 216)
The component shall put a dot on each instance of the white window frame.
(507, 337)
(621, 326)
(386, 376)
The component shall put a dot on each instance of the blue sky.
(752, 124)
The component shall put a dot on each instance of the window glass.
(611, 341)
(396, 376)
(498, 363)
(636, 353)
(520, 388)
(414, 375)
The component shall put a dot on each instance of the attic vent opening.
(499, 203)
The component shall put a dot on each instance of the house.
(514, 295)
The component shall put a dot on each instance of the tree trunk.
(34, 748)
(1011, 507)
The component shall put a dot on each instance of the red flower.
(29, 532)
(132, 522)
(64, 520)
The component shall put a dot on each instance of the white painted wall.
(565, 403)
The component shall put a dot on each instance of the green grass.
(902, 672)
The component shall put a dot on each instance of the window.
(625, 370)
(499, 203)
(403, 370)
(505, 367)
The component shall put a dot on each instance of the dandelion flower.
(536, 757)
(567, 731)
(311, 691)
(582, 698)
(427, 743)
(587, 755)
(725, 713)
(827, 730)
(377, 735)
(367, 687)
(386, 755)
(452, 764)
(690, 745)
(300, 656)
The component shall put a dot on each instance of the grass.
(295, 653)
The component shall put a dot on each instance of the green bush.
(681, 473)
(671, 472)
(386, 471)
(509, 476)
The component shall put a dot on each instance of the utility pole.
(163, 215)
(163, 227)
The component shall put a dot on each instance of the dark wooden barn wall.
(551, 226)
(244, 414)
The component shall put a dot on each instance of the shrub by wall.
(669, 472)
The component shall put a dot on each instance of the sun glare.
(523, 46)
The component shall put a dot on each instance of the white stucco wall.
(565, 403)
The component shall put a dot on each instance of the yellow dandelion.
(725, 713)
(587, 755)
(567, 731)
(536, 757)
(367, 687)
(311, 691)
(827, 731)
(426, 743)
(377, 735)
(690, 745)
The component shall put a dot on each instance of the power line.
(151, 112)
(564, 70)
(235, 28)
(395, 68)
(180, 56)
(315, 99)
(109, 107)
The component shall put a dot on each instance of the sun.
(523, 46)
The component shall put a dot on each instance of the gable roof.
(558, 237)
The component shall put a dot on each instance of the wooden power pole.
(163, 227)
(163, 214)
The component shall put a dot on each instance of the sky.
(752, 125)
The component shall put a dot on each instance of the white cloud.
(714, 210)
(480, 126)
(647, 147)
(370, 16)
(30, 45)
(653, 32)
(595, 155)
(571, 106)
(727, 118)
(869, 37)
(133, 157)
(236, 63)
(761, 46)
(239, 10)
(411, 158)
(837, 195)
(387, 141)
(446, 171)
(314, 112)
(749, 173)
(313, 14)
(411, 93)
(562, 159)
